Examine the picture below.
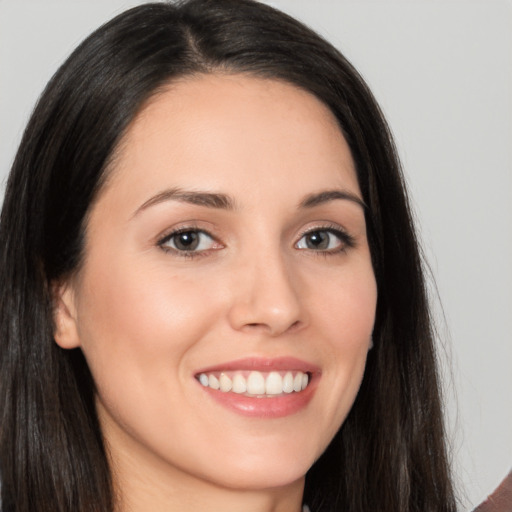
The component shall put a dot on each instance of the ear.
(65, 316)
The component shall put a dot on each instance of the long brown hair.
(389, 454)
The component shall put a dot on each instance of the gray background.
(442, 71)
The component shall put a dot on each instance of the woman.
(213, 296)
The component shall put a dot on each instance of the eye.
(188, 240)
(325, 240)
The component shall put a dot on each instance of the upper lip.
(263, 364)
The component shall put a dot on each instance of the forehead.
(211, 130)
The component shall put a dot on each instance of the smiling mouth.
(256, 384)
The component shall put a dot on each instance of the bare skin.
(500, 500)
(231, 233)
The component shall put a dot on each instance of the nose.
(266, 297)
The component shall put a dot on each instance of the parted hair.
(390, 453)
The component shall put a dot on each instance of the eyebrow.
(207, 199)
(319, 198)
(225, 202)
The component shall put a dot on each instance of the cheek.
(345, 307)
(345, 314)
(353, 314)
(132, 318)
(138, 326)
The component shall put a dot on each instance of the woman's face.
(228, 248)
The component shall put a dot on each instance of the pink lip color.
(275, 407)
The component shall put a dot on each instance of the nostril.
(295, 326)
(259, 325)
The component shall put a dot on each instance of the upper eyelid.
(178, 231)
(183, 228)
(327, 226)
(166, 238)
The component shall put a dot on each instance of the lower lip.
(264, 407)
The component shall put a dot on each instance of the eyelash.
(347, 241)
(185, 254)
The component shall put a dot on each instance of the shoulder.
(500, 500)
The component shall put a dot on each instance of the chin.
(269, 476)
(270, 468)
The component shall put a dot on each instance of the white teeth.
(274, 384)
(297, 382)
(203, 379)
(256, 383)
(288, 383)
(239, 384)
(225, 383)
(213, 382)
